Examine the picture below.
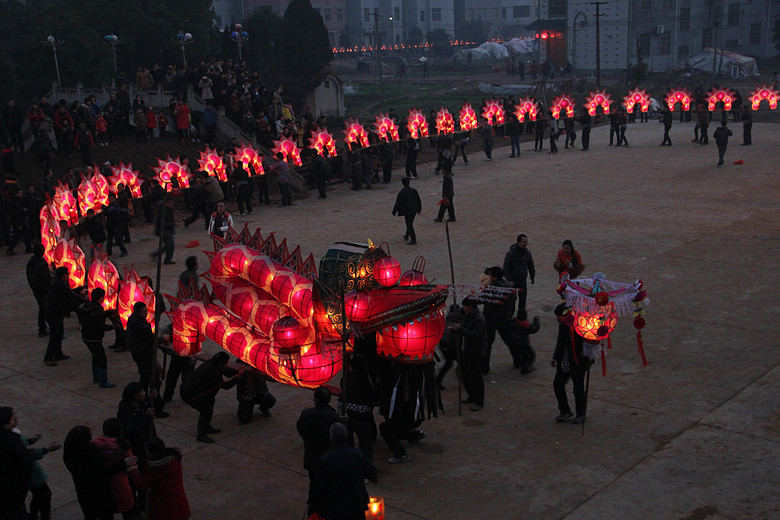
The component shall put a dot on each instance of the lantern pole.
(585, 404)
(158, 295)
(458, 337)
(344, 359)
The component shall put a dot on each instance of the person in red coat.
(568, 261)
(162, 476)
(182, 114)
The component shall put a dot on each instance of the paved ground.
(694, 435)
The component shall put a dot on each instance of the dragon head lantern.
(211, 163)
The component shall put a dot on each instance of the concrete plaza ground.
(694, 435)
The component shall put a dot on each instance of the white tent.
(732, 64)
(488, 51)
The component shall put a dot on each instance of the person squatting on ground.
(252, 390)
(570, 362)
(200, 388)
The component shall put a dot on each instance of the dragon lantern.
(171, 169)
(287, 147)
(124, 174)
(102, 274)
(679, 95)
(211, 163)
(65, 205)
(596, 99)
(68, 254)
(468, 118)
(355, 133)
(248, 156)
(719, 95)
(135, 289)
(50, 230)
(528, 107)
(322, 141)
(269, 307)
(493, 112)
(764, 93)
(89, 197)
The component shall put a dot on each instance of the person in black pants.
(585, 120)
(747, 125)
(314, 426)
(38, 278)
(197, 201)
(60, 301)
(412, 147)
(408, 205)
(243, 188)
(666, 119)
(498, 311)
(93, 329)
(140, 342)
(474, 348)
(569, 362)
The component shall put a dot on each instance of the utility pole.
(377, 43)
(598, 41)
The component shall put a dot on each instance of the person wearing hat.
(474, 347)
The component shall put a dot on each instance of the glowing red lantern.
(357, 305)
(124, 174)
(287, 147)
(637, 97)
(493, 112)
(248, 156)
(288, 334)
(639, 323)
(68, 254)
(412, 277)
(562, 103)
(65, 205)
(211, 163)
(764, 93)
(355, 133)
(171, 169)
(526, 107)
(102, 274)
(88, 196)
(601, 298)
(444, 122)
(387, 271)
(414, 340)
(596, 99)
(132, 290)
(417, 124)
(322, 141)
(468, 118)
(595, 322)
(50, 230)
(386, 128)
(720, 95)
(681, 96)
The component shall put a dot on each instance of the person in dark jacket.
(15, 470)
(518, 266)
(585, 120)
(140, 342)
(360, 390)
(448, 343)
(570, 362)
(96, 230)
(90, 475)
(252, 390)
(447, 194)
(20, 222)
(38, 278)
(162, 477)
(114, 221)
(165, 224)
(521, 329)
(60, 301)
(340, 490)
(314, 426)
(514, 129)
(666, 120)
(93, 330)
(412, 149)
(474, 347)
(136, 414)
(197, 202)
(199, 390)
(408, 205)
(721, 136)
(498, 311)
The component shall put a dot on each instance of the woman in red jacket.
(568, 261)
(162, 476)
(182, 114)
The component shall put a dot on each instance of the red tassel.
(573, 346)
(641, 346)
(603, 363)
(609, 342)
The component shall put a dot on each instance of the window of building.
(682, 52)
(326, 15)
(706, 37)
(755, 33)
(667, 4)
(732, 44)
(422, 16)
(366, 14)
(339, 15)
(685, 18)
(503, 13)
(436, 14)
(397, 14)
(733, 16)
(643, 45)
(664, 44)
(521, 11)
(557, 8)
(645, 5)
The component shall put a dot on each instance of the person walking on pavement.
(474, 347)
(721, 136)
(666, 120)
(747, 125)
(518, 266)
(166, 224)
(408, 205)
(570, 362)
(487, 134)
(412, 148)
(38, 278)
(585, 120)
(447, 194)
(498, 311)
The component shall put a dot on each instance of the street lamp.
(239, 35)
(583, 23)
(52, 42)
(112, 40)
(183, 39)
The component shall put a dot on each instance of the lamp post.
(183, 39)
(112, 40)
(377, 50)
(53, 42)
(239, 35)
(584, 23)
